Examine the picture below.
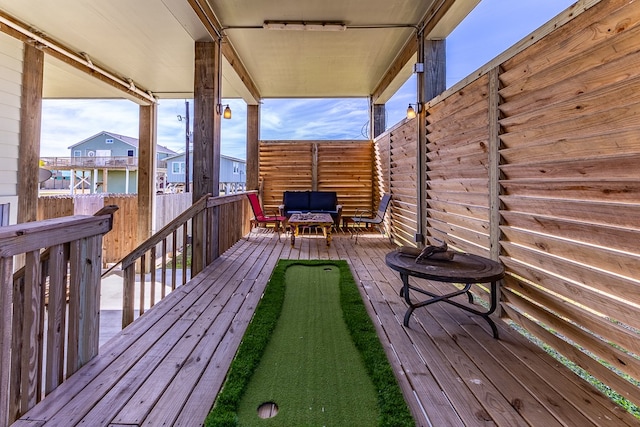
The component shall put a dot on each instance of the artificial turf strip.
(391, 408)
(310, 368)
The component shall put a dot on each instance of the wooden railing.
(193, 239)
(49, 309)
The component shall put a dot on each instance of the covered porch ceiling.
(150, 44)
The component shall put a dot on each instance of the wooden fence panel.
(284, 166)
(55, 207)
(169, 206)
(535, 160)
(318, 165)
(349, 175)
(571, 199)
(403, 154)
(124, 236)
(458, 204)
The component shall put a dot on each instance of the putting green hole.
(267, 410)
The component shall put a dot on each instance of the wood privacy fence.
(341, 166)
(123, 238)
(39, 347)
(396, 172)
(535, 161)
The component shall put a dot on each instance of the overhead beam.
(213, 26)
(406, 54)
(19, 30)
(427, 25)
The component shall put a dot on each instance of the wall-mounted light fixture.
(226, 114)
(304, 25)
(411, 113)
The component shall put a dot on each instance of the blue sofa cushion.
(323, 201)
(296, 201)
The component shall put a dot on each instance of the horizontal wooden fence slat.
(600, 325)
(591, 211)
(573, 39)
(598, 236)
(609, 284)
(625, 191)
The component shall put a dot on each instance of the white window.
(177, 168)
(108, 141)
(130, 153)
(236, 168)
(77, 153)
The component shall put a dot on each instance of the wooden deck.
(166, 367)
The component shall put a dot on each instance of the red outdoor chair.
(259, 217)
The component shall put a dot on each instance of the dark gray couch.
(311, 201)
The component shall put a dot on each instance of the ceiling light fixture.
(304, 26)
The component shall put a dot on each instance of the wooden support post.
(206, 121)
(431, 83)
(435, 70)
(253, 146)
(378, 120)
(146, 170)
(495, 189)
(206, 146)
(105, 179)
(30, 127)
(72, 184)
(94, 182)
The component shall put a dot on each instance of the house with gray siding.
(233, 172)
(106, 163)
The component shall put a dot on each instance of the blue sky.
(491, 28)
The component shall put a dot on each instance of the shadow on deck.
(167, 367)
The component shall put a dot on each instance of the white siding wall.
(11, 53)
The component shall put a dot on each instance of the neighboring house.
(233, 172)
(106, 163)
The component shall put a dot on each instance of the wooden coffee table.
(309, 220)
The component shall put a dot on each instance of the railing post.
(89, 299)
(31, 333)
(56, 317)
(128, 293)
(6, 299)
(198, 242)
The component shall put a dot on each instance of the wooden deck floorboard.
(166, 367)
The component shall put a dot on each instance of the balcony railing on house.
(100, 162)
(40, 348)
